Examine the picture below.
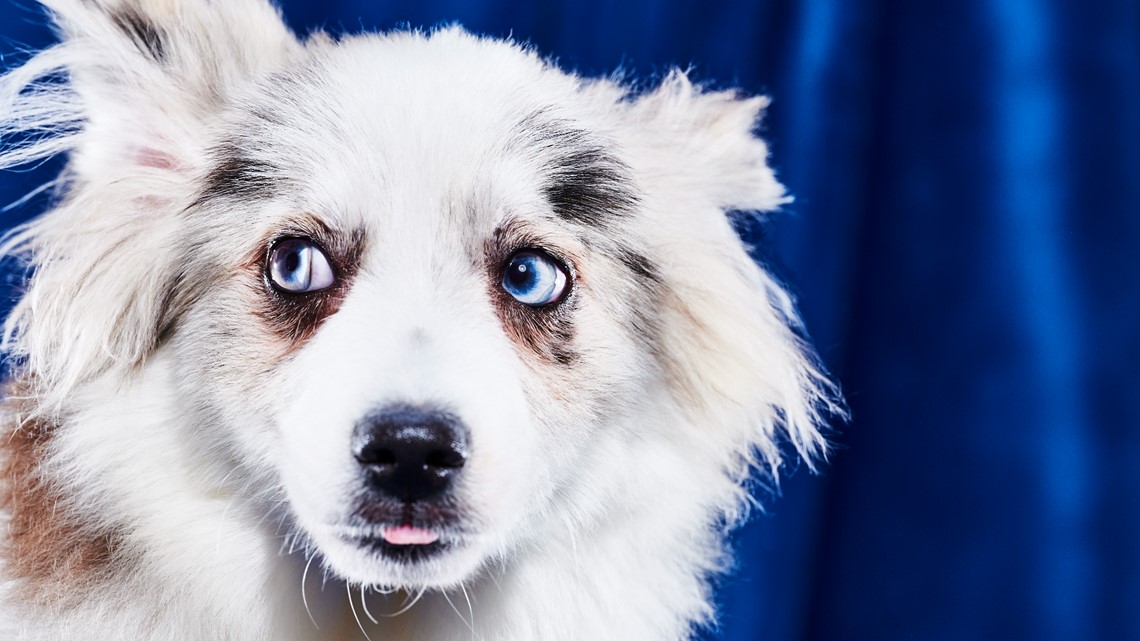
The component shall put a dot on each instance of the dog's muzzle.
(410, 458)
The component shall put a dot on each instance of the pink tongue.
(407, 535)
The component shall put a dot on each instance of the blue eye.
(298, 266)
(534, 279)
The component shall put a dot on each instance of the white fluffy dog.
(412, 336)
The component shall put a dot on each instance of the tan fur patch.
(54, 555)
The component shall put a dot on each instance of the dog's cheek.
(230, 370)
(312, 420)
(578, 406)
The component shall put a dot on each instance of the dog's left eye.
(534, 279)
(298, 266)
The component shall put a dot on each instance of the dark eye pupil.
(292, 261)
(521, 276)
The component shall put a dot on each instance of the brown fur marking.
(48, 548)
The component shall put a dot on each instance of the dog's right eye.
(298, 266)
(535, 279)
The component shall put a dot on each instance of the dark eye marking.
(304, 272)
(538, 318)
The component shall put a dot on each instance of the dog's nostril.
(410, 453)
(445, 459)
(375, 454)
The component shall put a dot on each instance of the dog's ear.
(148, 73)
(704, 142)
(734, 348)
(129, 93)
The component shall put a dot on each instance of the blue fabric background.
(963, 245)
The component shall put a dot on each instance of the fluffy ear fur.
(741, 360)
(705, 143)
(129, 93)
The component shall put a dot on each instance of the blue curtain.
(964, 246)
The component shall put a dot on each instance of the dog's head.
(444, 296)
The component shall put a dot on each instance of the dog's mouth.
(393, 543)
(404, 543)
(409, 533)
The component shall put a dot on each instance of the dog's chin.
(365, 557)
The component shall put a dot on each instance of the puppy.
(409, 336)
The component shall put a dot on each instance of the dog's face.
(434, 302)
(443, 296)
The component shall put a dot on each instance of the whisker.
(364, 604)
(352, 604)
(304, 596)
(470, 609)
(408, 606)
(456, 611)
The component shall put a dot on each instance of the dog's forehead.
(417, 126)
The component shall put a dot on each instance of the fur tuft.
(126, 95)
(741, 353)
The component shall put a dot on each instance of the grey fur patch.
(645, 298)
(146, 35)
(236, 175)
(641, 266)
(586, 183)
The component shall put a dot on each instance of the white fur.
(599, 493)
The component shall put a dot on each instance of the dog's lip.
(402, 543)
(401, 535)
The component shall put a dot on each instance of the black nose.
(411, 453)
